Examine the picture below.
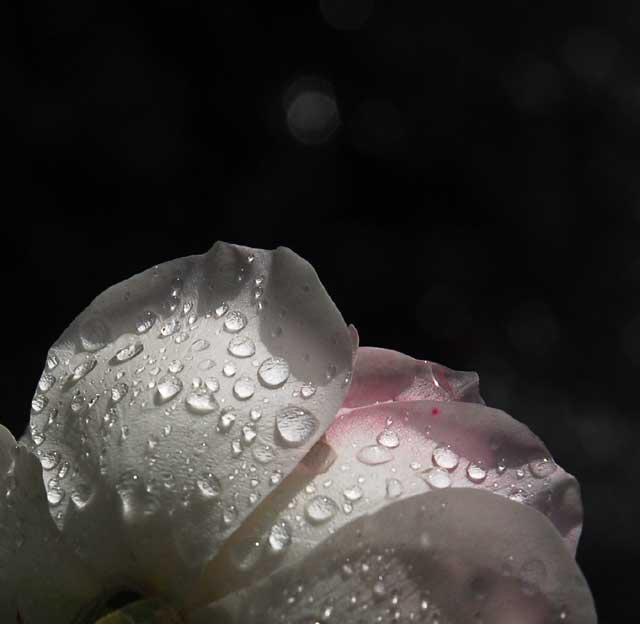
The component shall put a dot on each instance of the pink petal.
(382, 375)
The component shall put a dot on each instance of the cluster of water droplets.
(182, 375)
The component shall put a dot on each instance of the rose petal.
(462, 556)
(383, 375)
(372, 456)
(41, 580)
(165, 393)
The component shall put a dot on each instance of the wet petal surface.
(373, 456)
(383, 375)
(452, 557)
(167, 405)
(41, 580)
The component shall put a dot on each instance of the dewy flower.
(199, 440)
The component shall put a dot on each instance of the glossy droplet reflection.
(167, 388)
(295, 425)
(320, 509)
(273, 372)
(374, 454)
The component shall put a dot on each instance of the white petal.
(455, 557)
(177, 393)
(41, 580)
(372, 456)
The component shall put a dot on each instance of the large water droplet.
(167, 388)
(241, 346)
(94, 335)
(145, 322)
(353, 493)
(235, 321)
(476, 473)
(81, 495)
(50, 460)
(273, 372)
(47, 381)
(295, 425)
(541, 468)
(201, 401)
(388, 438)
(280, 536)
(38, 403)
(394, 488)
(226, 421)
(374, 455)
(437, 477)
(209, 485)
(307, 390)
(82, 366)
(243, 389)
(127, 353)
(320, 509)
(444, 457)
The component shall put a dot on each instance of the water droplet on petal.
(444, 457)
(353, 494)
(273, 372)
(175, 366)
(243, 389)
(200, 345)
(201, 402)
(82, 367)
(145, 322)
(167, 388)
(118, 391)
(241, 346)
(47, 381)
(295, 425)
(320, 509)
(235, 321)
(374, 455)
(226, 421)
(388, 438)
(209, 485)
(307, 390)
(437, 477)
(169, 328)
(38, 403)
(542, 468)
(81, 495)
(94, 335)
(394, 488)
(127, 353)
(476, 473)
(280, 537)
(50, 460)
(229, 369)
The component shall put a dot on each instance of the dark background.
(462, 175)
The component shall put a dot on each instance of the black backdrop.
(462, 175)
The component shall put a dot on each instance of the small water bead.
(243, 389)
(476, 473)
(235, 321)
(78, 403)
(206, 364)
(221, 310)
(273, 372)
(47, 381)
(236, 448)
(394, 488)
(542, 468)
(166, 430)
(169, 328)
(167, 388)
(200, 345)
(388, 438)
(81, 496)
(201, 402)
(255, 415)
(444, 457)
(229, 369)
(226, 421)
(279, 536)
(248, 435)
(209, 485)
(374, 454)
(241, 346)
(212, 384)
(275, 477)
(38, 437)
(38, 403)
(118, 392)
(145, 322)
(295, 425)
(52, 361)
(55, 494)
(307, 390)
(437, 477)
(127, 353)
(82, 368)
(50, 460)
(175, 366)
(264, 454)
(353, 494)
(320, 509)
